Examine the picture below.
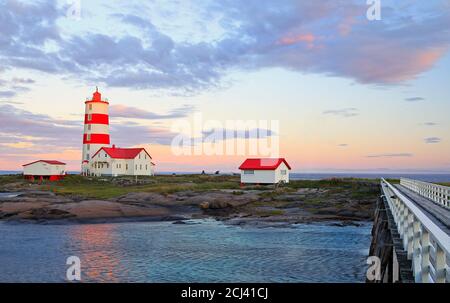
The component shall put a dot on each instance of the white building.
(44, 169)
(265, 171)
(114, 161)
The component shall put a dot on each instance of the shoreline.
(178, 198)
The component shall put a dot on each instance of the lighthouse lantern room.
(96, 128)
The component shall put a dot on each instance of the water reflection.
(206, 251)
(96, 246)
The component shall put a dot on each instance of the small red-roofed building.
(44, 169)
(115, 161)
(265, 171)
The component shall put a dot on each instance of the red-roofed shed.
(265, 170)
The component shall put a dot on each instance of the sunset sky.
(348, 93)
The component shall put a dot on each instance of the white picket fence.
(436, 193)
(426, 244)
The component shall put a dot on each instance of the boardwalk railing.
(427, 245)
(436, 193)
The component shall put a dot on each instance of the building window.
(90, 106)
(145, 166)
(283, 172)
(145, 156)
(106, 155)
(140, 166)
(139, 156)
(87, 156)
(249, 172)
(126, 166)
(88, 137)
(89, 117)
(88, 147)
(136, 166)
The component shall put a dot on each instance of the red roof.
(122, 153)
(263, 164)
(53, 162)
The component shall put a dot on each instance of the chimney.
(114, 146)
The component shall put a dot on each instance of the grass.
(107, 187)
(96, 188)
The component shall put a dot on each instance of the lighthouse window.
(89, 126)
(90, 106)
(88, 147)
(88, 137)
(89, 117)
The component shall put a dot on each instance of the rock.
(36, 194)
(46, 213)
(179, 222)
(204, 205)
(217, 204)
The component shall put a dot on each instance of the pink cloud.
(289, 40)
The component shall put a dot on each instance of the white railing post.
(410, 235)
(425, 253)
(441, 265)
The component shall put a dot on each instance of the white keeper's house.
(114, 161)
(99, 159)
(265, 171)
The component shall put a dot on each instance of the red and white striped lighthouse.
(96, 128)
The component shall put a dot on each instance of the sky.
(345, 93)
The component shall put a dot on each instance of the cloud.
(330, 37)
(432, 140)
(343, 145)
(430, 123)
(123, 111)
(219, 134)
(24, 132)
(23, 80)
(414, 99)
(344, 112)
(390, 155)
(7, 94)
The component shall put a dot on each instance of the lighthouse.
(96, 128)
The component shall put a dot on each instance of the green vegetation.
(110, 187)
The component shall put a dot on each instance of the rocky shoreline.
(278, 207)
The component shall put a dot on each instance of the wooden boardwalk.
(437, 213)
